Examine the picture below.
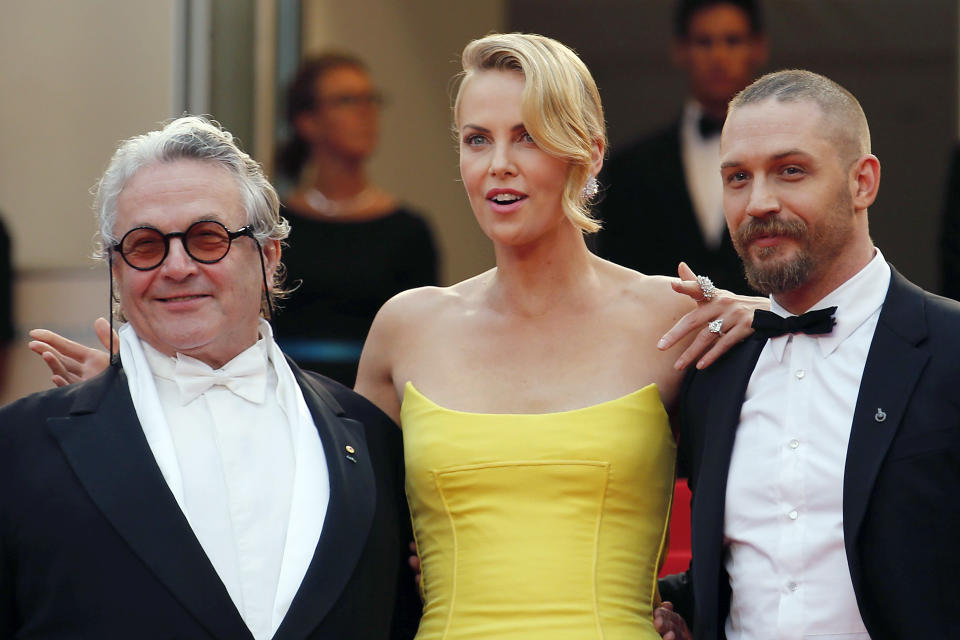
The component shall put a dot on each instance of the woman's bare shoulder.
(643, 293)
(426, 305)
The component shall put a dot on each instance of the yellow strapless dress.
(539, 525)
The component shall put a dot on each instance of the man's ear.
(271, 258)
(865, 181)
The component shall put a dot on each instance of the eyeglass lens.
(354, 100)
(145, 248)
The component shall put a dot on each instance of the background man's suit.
(94, 545)
(901, 505)
(648, 219)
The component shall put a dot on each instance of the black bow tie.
(709, 126)
(767, 324)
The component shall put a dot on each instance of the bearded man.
(825, 455)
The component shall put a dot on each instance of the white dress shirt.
(701, 168)
(783, 523)
(247, 468)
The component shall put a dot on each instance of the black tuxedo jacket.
(93, 544)
(901, 488)
(648, 219)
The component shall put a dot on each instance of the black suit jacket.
(648, 219)
(901, 493)
(94, 545)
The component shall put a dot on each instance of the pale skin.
(780, 159)
(538, 274)
(70, 362)
(207, 311)
(551, 328)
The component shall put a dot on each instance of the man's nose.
(763, 199)
(178, 264)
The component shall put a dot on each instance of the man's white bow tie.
(245, 375)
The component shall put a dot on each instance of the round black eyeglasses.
(205, 241)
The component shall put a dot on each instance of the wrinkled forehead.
(763, 127)
(172, 195)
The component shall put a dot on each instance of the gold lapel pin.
(351, 453)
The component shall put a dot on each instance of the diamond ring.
(706, 286)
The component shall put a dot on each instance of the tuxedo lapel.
(722, 391)
(349, 512)
(104, 444)
(894, 364)
(723, 396)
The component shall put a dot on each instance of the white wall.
(75, 78)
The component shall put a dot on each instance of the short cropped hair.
(561, 105)
(191, 138)
(684, 10)
(840, 108)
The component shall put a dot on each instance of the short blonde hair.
(561, 105)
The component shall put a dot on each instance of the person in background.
(354, 246)
(662, 193)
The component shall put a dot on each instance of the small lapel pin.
(880, 415)
(350, 453)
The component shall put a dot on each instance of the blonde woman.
(533, 397)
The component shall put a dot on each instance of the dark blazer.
(93, 544)
(648, 219)
(901, 491)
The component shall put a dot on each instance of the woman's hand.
(71, 361)
(729, 315)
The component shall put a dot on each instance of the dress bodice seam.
(409, 386)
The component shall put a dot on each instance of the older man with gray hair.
(203, 486)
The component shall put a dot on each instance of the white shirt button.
(794, 443)
(793, 515)
(800, 373)
(793, 586)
